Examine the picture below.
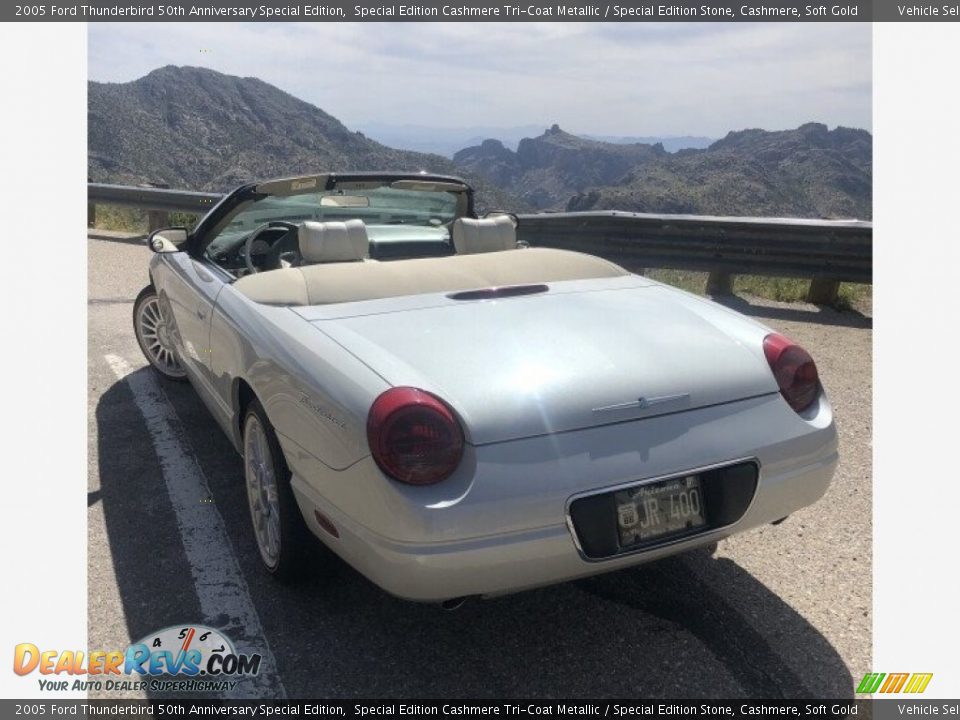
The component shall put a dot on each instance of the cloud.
(602, 78)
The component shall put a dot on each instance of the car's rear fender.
(314, 392)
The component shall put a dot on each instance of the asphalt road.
(781, 611)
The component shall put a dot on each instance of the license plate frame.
(656, 512)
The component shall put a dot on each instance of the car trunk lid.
(557, 361)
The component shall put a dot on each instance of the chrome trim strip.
(648, 481)
(643, 403)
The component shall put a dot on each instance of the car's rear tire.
(287, 547)
(153, 332)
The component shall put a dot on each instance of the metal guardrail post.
(823, 292)
(91, 213)
(719, 283)
(157, 219)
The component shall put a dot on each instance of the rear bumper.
(542, 556)
(500, 523)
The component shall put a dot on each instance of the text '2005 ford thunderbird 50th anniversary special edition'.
(457, 415)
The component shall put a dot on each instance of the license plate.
(659, 509)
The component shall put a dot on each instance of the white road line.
(224, 597)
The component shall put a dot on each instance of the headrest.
(488, 235)
(323, 242)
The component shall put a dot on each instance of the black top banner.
(477, 10)
(367, 709)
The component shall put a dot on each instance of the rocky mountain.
(545, 171)
(196, 128)
(443, 140)
(447, 141)
(671, 143)
(807, 172)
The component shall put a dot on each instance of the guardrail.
(157, 200)
(826, 251)
(152, 197)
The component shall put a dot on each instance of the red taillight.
(414, 437)
(794, 369)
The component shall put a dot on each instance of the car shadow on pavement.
(691, 626)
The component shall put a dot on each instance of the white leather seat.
(331, 242)
(493, 234)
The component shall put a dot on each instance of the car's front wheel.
(284, 541)
(154, 335)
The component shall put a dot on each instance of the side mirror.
(166, 240)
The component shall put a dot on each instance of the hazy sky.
(600, 78)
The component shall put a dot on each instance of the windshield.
(404, 217)
(379, 206)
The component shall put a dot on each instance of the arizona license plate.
(659, 509)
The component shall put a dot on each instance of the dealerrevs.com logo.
(190, 658)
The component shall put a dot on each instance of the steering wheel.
(287, 243)
(248, 245)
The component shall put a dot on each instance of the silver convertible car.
(455, 414)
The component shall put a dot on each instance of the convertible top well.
(342, 282)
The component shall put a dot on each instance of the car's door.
(189, 291)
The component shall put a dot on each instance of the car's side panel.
(187, 294)
(314, 392)
(190, 293)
